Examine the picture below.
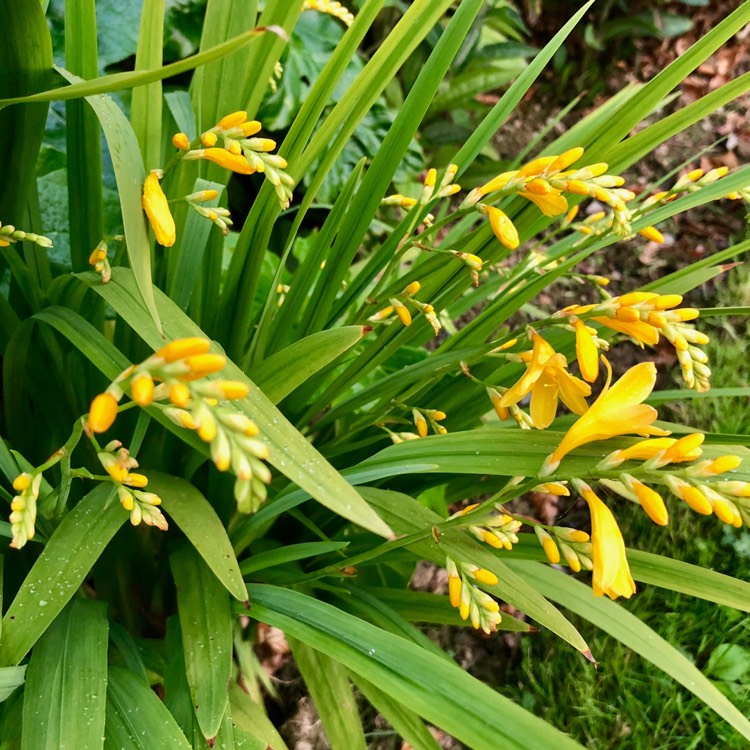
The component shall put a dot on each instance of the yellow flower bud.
(209, 139)
(502, 227)
(102, 412)
(181, 348)
(412, 288)
(233, 120)
(142, 389)
(181, 141)
(653, 234)
(135, 480)
(179, 394)
(223, 158)
(22, 482)
(485, 576)
(156, 206)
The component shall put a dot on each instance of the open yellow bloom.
(617, 411)
(156, 206)
(553, 203)
(547, 379)
(611, 571)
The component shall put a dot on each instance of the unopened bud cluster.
(332, 8)
(23, 508)
(196, 403)
(499, 530)
(142, 506)
(9, 235)
(241, 151)
(472, 603)
(400, 306)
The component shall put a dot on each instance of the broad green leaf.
(284, 371)
(66, 684)
(632, 632)
(129, 172)
(433, 687)
(288, 553)
(84, 153)
(10, 679)
(64, 564)
(329, 687)
(120, 81)
(26, 61)
(198, 520)
(146, 102)
(290, 451)
(404, 721)
(136, 718)
(252, 719)
(206, 625)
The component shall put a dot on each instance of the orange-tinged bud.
(98, 254)
(454, 590)
(102, 412)
(539, 186)
(156, 206)
(402, 311)
(665, 301)
(180, 348)
(723, 511)
(420, 422)
(653, 234)
(209, 139)
(181, 141)
(431, 178)
(142, 389)
(223, 158)
(687, 448)
(207, 428)
(179, 394)
(203, 364)
(233, 120)
(438, 416)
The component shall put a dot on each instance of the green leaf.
(730, 662)
(128, 166)
(120, 81)
(63, 566)
(290, 451)
(136, 718)
(632, 632)
(694, 580)
(26, 60)
(329, 687)
(284, 371)
(288, 553)
(84, 152)
(206, 625)
(66, 685)
(431, 686)
(404, 721)
(10, 679)
(252, 718)
(203, 528)
(146, 103)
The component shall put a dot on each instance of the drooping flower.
(611, 570)
(502, 227)
(617, 411)
(156, 206)
(548, 380)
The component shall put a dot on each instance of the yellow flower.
(547, 379)
(156, 206)
(180, 348)
(611, 571)
(222, 157)
(502, 226)
(553, 203)
(653, 234)
(617, 411)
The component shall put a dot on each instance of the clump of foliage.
(254, 393)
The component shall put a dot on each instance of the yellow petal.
(552, 204)
(586, 352)
(544, 401)
(156, 206)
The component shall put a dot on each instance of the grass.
(625, 702)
